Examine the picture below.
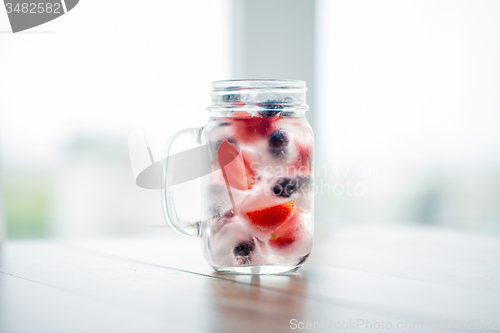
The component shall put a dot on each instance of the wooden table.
(357, 277)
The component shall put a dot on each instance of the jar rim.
(258, 95)
(258, 83)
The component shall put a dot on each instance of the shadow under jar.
(258, 200)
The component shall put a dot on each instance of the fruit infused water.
(259, 199)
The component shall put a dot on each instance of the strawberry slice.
(287, 233)
(269, 218)
(249, 129)
(303, 161)
(241, 114)
(238, 175)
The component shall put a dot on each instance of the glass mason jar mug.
(257, 199)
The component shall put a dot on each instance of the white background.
(74, 88)
(407, 88)
(412, 89)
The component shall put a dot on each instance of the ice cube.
(292, 239)
(232, 243)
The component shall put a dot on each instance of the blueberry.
(278, 141)
(266, 114)
(231, 98)
(270, 105)
(285, 187)
(244, 249)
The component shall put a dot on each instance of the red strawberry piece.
(287, 233)
(241, 114)
(249, 129)
(233, 167)
(272, 217)
(303, 161)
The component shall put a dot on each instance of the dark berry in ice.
(285, 187)
(269, 113)
(244, 250)
(278, 141)
(231, 98)
(272, 107)
(272, 104)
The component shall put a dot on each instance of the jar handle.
(185, 228)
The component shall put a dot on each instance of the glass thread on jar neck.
(254, 95)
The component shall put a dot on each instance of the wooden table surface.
(410, 278)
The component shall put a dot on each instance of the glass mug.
(257, 201)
